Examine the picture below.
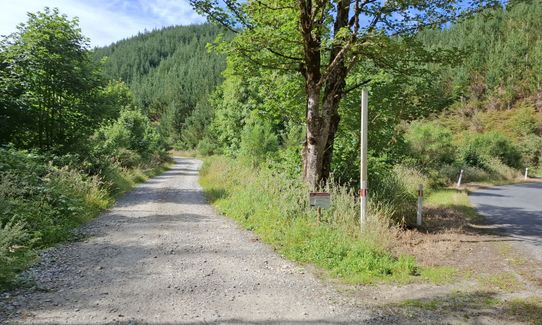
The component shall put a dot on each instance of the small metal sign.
(320, 200)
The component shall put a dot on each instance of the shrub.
(257, 141)
(206, 147)
(129, 136)
(13, 237)
(479, 148)
(430, 144)
(531, 150)
(524, 121)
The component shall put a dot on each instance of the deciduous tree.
(324, 40)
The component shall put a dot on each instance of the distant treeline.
(169, 71)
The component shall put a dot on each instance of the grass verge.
(41, 204)
(275, 207)
(471, 305)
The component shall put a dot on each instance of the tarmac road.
(516, 211)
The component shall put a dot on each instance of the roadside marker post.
(363, 158)
(460, 178)
(526, 173)
(420, 206)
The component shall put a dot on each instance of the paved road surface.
(162, 256)
(516, 210)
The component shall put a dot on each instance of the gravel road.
(162, 255)
(516, 211)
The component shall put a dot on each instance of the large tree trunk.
(317, 119)
(322, 109)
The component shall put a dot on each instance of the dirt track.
(162, 255)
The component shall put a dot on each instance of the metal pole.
(526, 173)
(363, 158)
(420, 205)
(460, 178)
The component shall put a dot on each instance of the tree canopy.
(324, 41)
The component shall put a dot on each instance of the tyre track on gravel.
(162, 255)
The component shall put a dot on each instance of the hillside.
(501, 53)
(168, 70)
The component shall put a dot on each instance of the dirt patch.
(494, 283)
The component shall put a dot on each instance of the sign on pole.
(320, 200)
(363, 158)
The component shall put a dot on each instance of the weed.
(274, 206)
(504, 281)
(525, 310)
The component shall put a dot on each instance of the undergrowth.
(41, 203)
(275, 206)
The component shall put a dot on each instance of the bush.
(131, 136)
(41, 202)
(13, 237)
(430, 144)
(531, 150)
(258, 141)
(206, 147)
(480, 148)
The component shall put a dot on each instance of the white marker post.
(526, 173)
(420, 206)
(363, 158)
(460, 178)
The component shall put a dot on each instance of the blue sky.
(105, 21)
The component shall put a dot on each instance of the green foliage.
(430, 144)
(42, 202)
(12, 238)
(531, 150)
(128, 139)
(480, 148)
(53, 86)
(53, 100)
(170, 72)
(257, 141)
(274, 205)
(524, 121)
(502, 55)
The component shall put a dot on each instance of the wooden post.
(363, 158)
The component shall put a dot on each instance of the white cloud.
(102, 20)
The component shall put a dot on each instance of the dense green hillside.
(502, 57)
(168, 70)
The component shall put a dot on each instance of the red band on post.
(363, 192)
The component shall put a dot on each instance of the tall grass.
(275, 206)
(41, 203)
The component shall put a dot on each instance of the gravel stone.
(116, 267)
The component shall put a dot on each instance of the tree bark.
(322, 108)
(317, 120)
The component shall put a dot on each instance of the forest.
(80, 126)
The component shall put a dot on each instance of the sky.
(104, 21)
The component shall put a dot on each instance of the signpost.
(363, 158)
(319, 200)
